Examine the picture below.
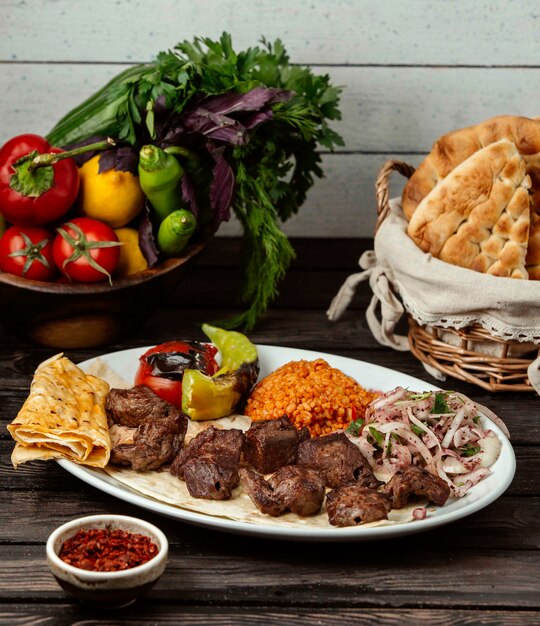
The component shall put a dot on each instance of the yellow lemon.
(131, 258)
(113, 197)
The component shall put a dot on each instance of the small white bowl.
(107, 589)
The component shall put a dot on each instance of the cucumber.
(98, 115)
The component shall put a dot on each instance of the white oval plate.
(368, 375)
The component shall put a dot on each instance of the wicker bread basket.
(472, 353)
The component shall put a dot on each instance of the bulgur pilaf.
(309, 393)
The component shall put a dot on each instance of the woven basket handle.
(382, 184)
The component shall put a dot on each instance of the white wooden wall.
(411, 70)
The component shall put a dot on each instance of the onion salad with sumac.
(440, 431)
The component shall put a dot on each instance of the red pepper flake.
(107, 550)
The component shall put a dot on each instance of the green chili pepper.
(160, 177)
(211, 397)
(175, 231)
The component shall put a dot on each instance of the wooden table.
(482, 569)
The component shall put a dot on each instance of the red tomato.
(27, 252)
(166, 389)
(161, 368)
(35, 197)
(86, 250)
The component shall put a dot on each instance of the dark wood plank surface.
(484, 568)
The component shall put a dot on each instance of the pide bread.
(498, 249)
(454, 147)
(478, 216)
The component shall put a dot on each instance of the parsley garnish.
(355, 427)
(476, 419)
(417, 430)
(440, 406)
(470, 450)
(420, 396)
(379, 438)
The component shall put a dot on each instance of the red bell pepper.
(38, 183)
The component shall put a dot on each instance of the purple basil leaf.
(172, 136)
(222, 188)
(81, 159)
(215, 126)
(280, 95)
(236, 136)
(160, 105)
(124, 159)
(188, 195)
(212, 115)
(257, 118)
(147, 242)
(253, 100)
(165, 121)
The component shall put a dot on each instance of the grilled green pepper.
(211, 397)
(160, 177)
(174, 232)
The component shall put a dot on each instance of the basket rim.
(489, 371)
(382, 186)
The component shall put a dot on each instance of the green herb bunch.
(274, 165)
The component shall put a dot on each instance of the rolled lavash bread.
(478, 216)
(457, 146)
(63, 417)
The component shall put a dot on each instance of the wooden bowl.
(86, 315)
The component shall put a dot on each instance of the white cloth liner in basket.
(403, 278)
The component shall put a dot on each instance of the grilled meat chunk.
(294, 488)
(416, 481)
(223, 445)
(155, 443)
(261, 494)
(300, 489)
(350, 505)
(132, 407)
(337, 460)
(270, 444)
(158, 428)
(209, 463)
(209, 479)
